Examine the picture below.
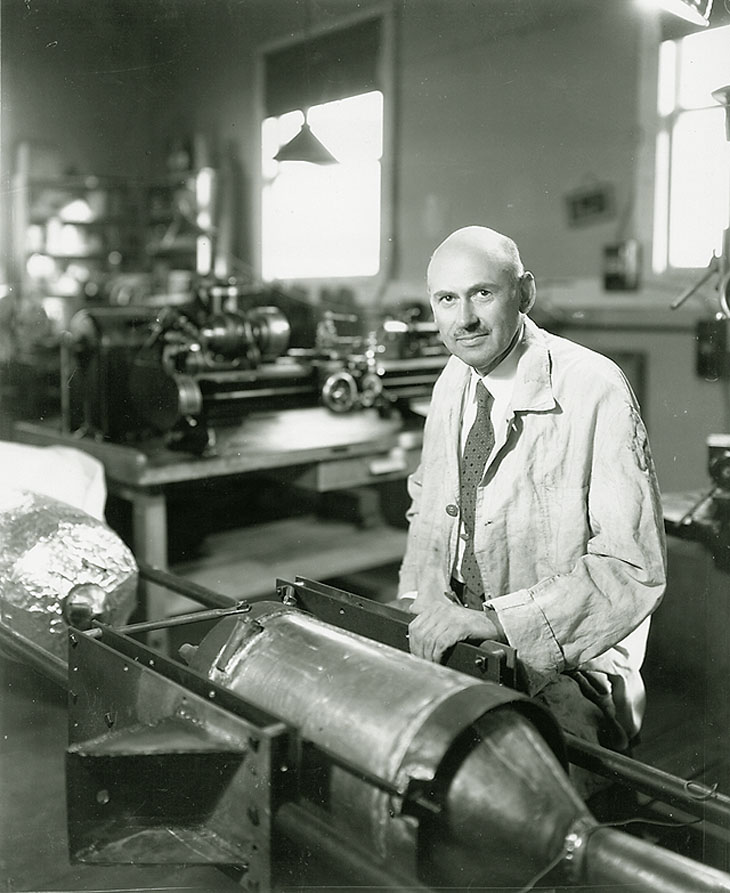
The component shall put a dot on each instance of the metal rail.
(696, 798)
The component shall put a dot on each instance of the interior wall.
(502, 107)
(498, 127)
(680, 409)
(79, 79)
(76, 83)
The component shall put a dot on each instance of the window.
(324, 221)
(692, 206)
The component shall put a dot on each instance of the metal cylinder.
(261, 333)
(509, 807)
(389, 715)
(339, 392)
(442, 778)
(627, 862)
(227, 335)
(272, 331)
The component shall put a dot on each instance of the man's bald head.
(479, 292)
(480, 240)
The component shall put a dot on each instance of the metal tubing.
(706, 803)
(191, 590)
(626, 862)
(18, 647)
(688, 292)
(184, 619)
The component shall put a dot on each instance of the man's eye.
(447, 299)
(483, 294)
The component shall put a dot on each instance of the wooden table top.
(260, 442)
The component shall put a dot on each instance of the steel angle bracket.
(490, 661)
(165, 767)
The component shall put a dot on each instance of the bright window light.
(323, 221)
(698, 208)
(692, 201)
(667, 90)
(661, 204)
(695, 11)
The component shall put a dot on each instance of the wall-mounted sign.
(590, 204)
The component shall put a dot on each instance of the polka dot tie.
(478, 446)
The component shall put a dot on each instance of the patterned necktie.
(479, 444)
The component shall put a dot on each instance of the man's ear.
(528, 292)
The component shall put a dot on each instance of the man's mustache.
(470, 333)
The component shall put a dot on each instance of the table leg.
(149, 539)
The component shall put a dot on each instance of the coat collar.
(533, 390)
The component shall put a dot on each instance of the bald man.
(558, 546)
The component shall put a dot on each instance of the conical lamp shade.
(305, 147)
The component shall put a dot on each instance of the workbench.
(309, 448)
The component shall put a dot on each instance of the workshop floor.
(685, 733)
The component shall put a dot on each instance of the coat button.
(452, 510)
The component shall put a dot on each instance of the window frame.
(375, 284)
(652, 124)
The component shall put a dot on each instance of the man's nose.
(467, 316)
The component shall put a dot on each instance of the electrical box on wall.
(718, 460)
(622, 266)
(712, 359)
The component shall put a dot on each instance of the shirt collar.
(523, 378)
(500, 381)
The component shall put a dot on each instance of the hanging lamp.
(305, 147)
(695, 11)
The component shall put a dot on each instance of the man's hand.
(439, 625)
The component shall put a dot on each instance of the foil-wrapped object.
(47, 549)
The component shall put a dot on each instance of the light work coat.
(569, 529)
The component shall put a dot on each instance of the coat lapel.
(456, 384)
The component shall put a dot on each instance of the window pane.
(324, 221)
(274, 133)
(667, 77)
(704, 60)
(699, 190)
(661, 204)
(352, 128)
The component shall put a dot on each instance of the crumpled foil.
(46, 548)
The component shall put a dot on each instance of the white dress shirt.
(500, 384)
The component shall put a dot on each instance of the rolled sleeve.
(570, 618)
(527, 629)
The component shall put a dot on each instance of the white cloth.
(64, 473)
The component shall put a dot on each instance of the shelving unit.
(69, 235)
(179, 221)
(69, 231)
